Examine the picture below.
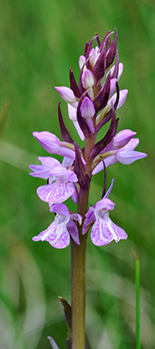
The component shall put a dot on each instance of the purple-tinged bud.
(82, 123)
(87, 79)
(82, 61)
(87, 111)
(67, 94)
(122, 98)
(100, 64)
(90, 45)
(110, 54)
(93, 56)
(112, 86)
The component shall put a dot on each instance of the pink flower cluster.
(91, 104)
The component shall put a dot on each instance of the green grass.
(39, 41)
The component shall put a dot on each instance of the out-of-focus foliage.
(39, 40)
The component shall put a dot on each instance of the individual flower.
(58, 233)
(60, 181)
(67, 94)
(103, 229)
(51, 143)
(120, 149)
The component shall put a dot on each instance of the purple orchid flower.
(58, 233)
(103, 229)
(63, 178)
(53, 145)
(120, 149)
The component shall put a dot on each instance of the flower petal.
(56, 234)
(101, 233)
(87, 79)
(61, 209)
(52, 144)
(122, 98)
(67, 94)
(73, 230)
(104, 231)
(127, 158)
(104, 204)
(72, 112)
(87, 108)
(56, 192)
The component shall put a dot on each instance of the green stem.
(78, 262)
(78, 294)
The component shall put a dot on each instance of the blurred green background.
(39, 41)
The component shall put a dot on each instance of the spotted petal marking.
(104, 231)
(56, 234)
(56, 192)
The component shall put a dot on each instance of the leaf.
(67, 311)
